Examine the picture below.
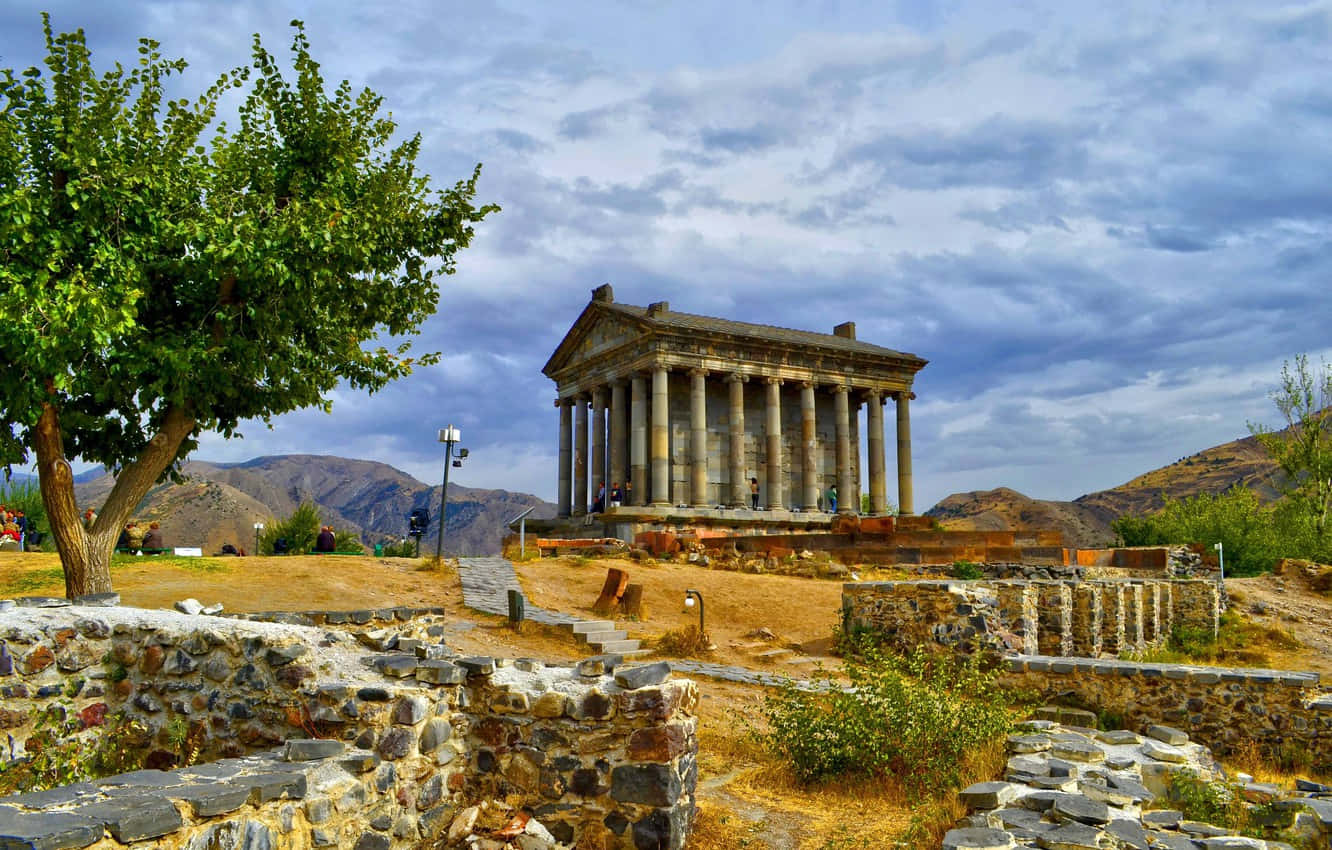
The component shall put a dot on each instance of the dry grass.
(749, 799)
(1280, 767)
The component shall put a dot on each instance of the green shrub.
(57, 754)
(347, 541)
(405, 548)
(911, 717)
(967, 571)
(300, 530)
(1248, 531)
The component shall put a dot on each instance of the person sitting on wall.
(326, 541)
(122, 542)
(136, 533)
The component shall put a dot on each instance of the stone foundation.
(593, 751)
(1088, 618)
(1218, 706)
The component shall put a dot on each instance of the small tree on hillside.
(158, 284)
(1303, 449)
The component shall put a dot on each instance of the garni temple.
(683, 411)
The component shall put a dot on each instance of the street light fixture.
(258, 528)
(449, 436)
(690, 596)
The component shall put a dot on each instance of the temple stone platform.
(631, 520)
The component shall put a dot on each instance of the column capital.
(698, 372)
(773, 380)
(737, 378)
(841, 389)
(872, 396)
(809, 385)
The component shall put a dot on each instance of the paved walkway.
(486, 583)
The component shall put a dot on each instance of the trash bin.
(379, 550)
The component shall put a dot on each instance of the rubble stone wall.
(1217, 706)
(1057, 618)
(590, 751)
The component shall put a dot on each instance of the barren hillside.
(1085, 521)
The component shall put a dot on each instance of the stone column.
(616, 429)
(846, 484)
(855, 452)
(580, 456)
(661, 439)
(810, 470)
(776, 471)
(904, 506)
(739, 484)
(599, 443)
(698, 437)
(566, 455)
(638, 470)
(878, 483)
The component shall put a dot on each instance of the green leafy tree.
(1303, 449)
(299, 530)
(161, 283)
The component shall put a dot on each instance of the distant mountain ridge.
(1085, 521)
(220, 502)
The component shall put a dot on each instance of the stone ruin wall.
(413, 734)
(1061, 640)
(1057, 618)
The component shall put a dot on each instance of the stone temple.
(687, 409)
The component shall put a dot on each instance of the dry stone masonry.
(1068, 787)
(317, 736)
(1060, 618)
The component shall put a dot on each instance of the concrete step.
(602, 637)
(620, 647)
(585, 626)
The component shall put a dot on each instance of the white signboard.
(188, 551)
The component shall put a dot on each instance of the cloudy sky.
(1105, 225)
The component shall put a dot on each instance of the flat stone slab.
(1163, 752)
(134, 818)
(988, 795)
(1075, 807)
(632, 678)
(1080, 751)
(1072, 836)
(211, 799)
(48, 830)
(311, 749)
(973, 838)
(1168, 735)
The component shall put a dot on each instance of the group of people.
(617, 496)
(620, 496)
(139, 538)
(13, 528)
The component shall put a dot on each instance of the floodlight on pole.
(449, 436)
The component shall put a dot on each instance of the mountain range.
(1085, 521)
(219, 503)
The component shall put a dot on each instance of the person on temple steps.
(753, 493)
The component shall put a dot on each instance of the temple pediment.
(593, 334)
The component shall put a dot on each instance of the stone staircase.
(605, 638)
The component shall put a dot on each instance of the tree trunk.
(85, 554)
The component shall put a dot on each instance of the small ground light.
(690, 596)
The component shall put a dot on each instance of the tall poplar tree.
(163, 274)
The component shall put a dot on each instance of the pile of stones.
(1071, 787)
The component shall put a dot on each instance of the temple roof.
(671, 320)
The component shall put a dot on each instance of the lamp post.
(449, 436)
(690, 596)
(258, 529)
(1220, 585)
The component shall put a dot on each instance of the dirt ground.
(746, 800)
(1287, 602)
(800, 613)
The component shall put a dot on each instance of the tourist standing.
(832, 499)
(753, 493)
